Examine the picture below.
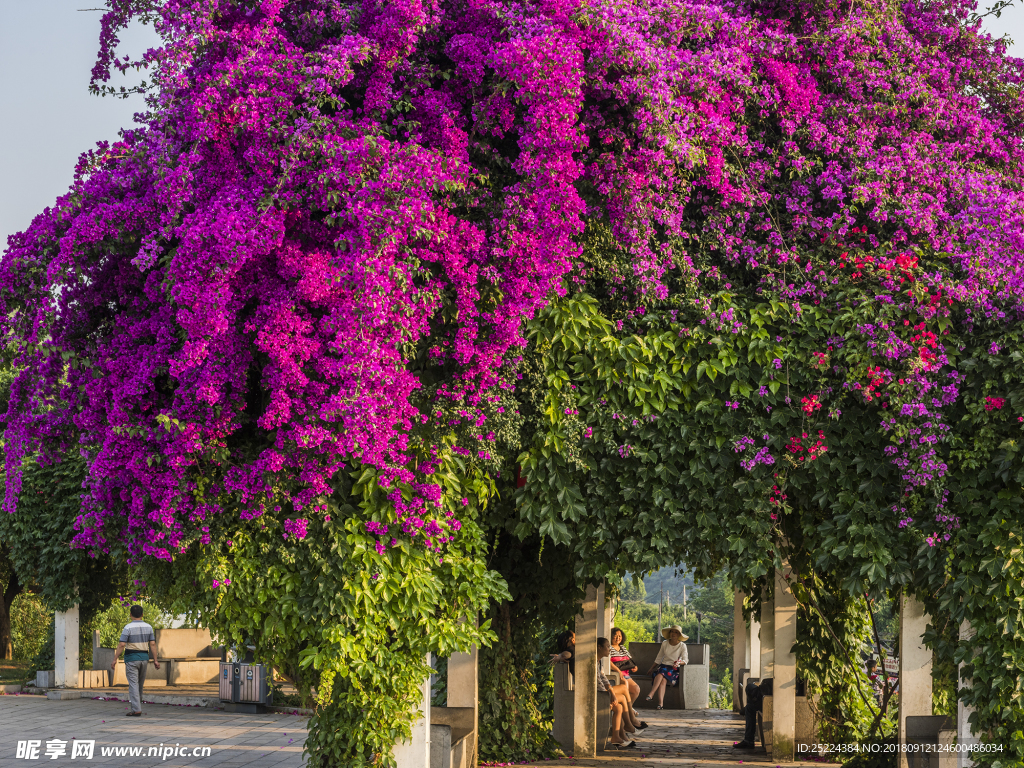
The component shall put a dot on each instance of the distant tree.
(633, 590)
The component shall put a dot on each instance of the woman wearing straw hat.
(671, 657)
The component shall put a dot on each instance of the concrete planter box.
(44, 679)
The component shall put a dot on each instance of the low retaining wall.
(183, 671)
(186, 644)
(187, 657)
(192, 671)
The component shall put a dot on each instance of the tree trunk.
(6, 600)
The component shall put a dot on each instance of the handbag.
(625, 664)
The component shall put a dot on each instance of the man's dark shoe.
(133, 714)
(743, 745)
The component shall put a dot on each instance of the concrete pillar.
(754, 647)
(915, 696)
(963, 713)
(65, 648)
(585, 687)
(784, 668)
(463, 691)
(416, 752)
(767, 637)
(740, 651)
(604, 625)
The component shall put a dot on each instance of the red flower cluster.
(994, 403)
(819, 360)
(902, 266)
(927, 343)
(877, 379)
(810, 404)
(814, 451)
(860, 262)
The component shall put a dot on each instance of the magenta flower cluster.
(224, 311)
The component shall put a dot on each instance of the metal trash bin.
(244, 687)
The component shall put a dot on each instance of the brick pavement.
(683, 738)
(260, 741)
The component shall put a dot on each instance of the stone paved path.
(684, 738)
(260, 741)
(675, 738)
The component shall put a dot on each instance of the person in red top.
(620, 658)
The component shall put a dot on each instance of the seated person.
(566, 644)
(621, 659)
(624, 722)
(671, 658)
(755, 703)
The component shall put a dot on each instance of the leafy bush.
(722, 698)
(638, 630)
(30, 621)
(111, 621)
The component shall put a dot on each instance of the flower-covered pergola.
(366, 260)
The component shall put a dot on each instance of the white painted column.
(963, 713)
(65, 648)
(740, 651)
(767, 635)
(585, 688)
(915, 696)
(784, 668)
(464, 689)
(416, 752)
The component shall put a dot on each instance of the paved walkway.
(260, 741)
(684, 738)
(675, 738)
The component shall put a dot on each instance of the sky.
(48, 117)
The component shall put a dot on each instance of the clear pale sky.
(48, 117)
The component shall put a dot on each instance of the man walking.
(137, 642)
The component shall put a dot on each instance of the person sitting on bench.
(671, 658)
(566, 644)
(755, 703)
(624, 721)
(623, 661)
